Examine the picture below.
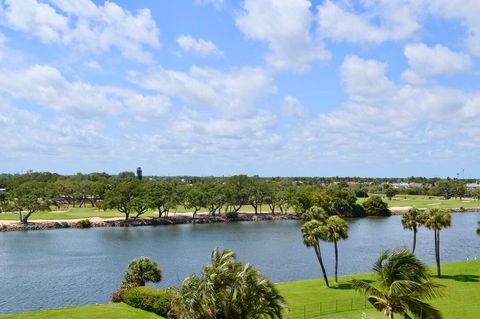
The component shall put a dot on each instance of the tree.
(335, 229)
(403, 285)
(256, 193)
(312, 233)
(164, 196)
(29, 197)
(227, 289)
(375, 206)
(195, 198)
(390, 192)
(436, 219)
(412, 220)
(237, 191)
(128, 196)
(141, 270)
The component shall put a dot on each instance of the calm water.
(44, 269)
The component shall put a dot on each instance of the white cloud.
(93, 65)
(396, 21)
(426, 62)
(3, 38)
(365, 80)
(285, 25)
(197, 46)
(218, 4)
(232, 93)
(466, 12)
(291, 106)
(85, 26)
(47, 87)
(383, 120)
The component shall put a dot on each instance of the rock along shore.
(171, 220)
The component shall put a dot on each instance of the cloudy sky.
(220, 87)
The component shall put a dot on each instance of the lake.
(56, 268)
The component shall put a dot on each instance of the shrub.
(150, 299)
(117, 296)
(375, 206)
(84, 223)
(231, 215)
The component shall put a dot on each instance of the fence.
(324, 308)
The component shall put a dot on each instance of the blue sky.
(219, 87)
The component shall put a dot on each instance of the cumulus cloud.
(382, 119)
(85, 26)
(197, 46)
(384, 20)
(426, 62)
(233, 93)
(285, 26)
(292, 107)
(47, 87)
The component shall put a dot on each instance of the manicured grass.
(421, 201)
(461, 300)
(110, 311)
(462, 280)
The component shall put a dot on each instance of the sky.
(378, 88)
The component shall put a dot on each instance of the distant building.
(3, 189)
(473, 186)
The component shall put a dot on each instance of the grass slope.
(421, 201)
(110, 311)
(461, 301)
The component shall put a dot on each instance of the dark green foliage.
(150, 299)
(403, 286)
(84, 223)
(376, 207)
(227, 289)
(140, 271)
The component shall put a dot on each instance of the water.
(56, 268)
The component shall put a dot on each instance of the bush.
(375, 206)
(117, 296)
(231, 215)
(150, 299)
(84, 223)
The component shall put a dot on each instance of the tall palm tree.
(227, 289)
(436, 219)
(335, 229)
(312, 233)
(413, 219)
(403, 286)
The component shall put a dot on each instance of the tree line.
(133, 194)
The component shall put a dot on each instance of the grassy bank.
(310, 296)
(110, 311)
(422, 201)
(461, 301)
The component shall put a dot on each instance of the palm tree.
(312, 233)
(403, 285)
(335, 229)
(141, 270)
(436, 219)
(227, 289)
(413, 219)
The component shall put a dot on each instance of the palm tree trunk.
(438, 253)
(319, 257)
(414, 239)
(336, 261)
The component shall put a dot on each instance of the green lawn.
(110, 311)
(461, 301)
(421, 201)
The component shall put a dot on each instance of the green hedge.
(150, 299)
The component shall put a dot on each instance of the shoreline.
(177, 219)
(97, 222)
